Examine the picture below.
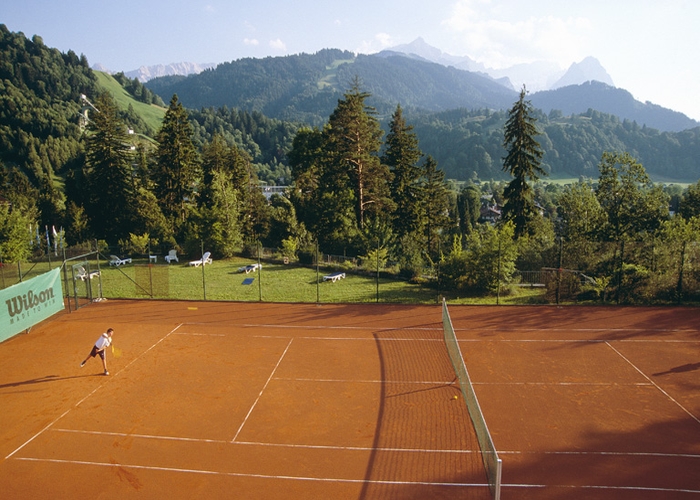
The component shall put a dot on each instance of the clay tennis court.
(241, 400)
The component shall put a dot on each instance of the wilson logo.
(28, 301)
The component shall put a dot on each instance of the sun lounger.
(334, 277)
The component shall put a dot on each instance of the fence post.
(498, 289)
(259, 273)
(318, 290)
(204, 281)
(619, 274)
(377, 269)
(679, 291)
(560, 269)
(2, 270)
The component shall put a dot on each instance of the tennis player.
(102, 343)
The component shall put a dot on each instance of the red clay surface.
(597, 403)
(272, 401)
(231, 400)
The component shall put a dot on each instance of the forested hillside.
(39, 104)
(468, 144)
(306, 87)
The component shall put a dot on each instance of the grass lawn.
(276, 282)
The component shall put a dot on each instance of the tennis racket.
(116, 351)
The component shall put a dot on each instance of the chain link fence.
(581, 272)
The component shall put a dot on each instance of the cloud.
(380, 42)
(278, 44)
(500, 36)
(250, 41)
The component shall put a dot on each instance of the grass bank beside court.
(277, 282)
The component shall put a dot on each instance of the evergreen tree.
(469, 207)
(522, 162)
(177, 164)
(221, 230)
(215, 158)
(305, 161)
(108, 163)
(352, 141)
(401, 156)
(436, 205)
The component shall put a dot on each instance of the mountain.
(587, 70)
(538, 75)
(146, 73)
(306, 87)
(576, 99)
(420, 48)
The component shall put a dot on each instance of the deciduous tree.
(631, 202)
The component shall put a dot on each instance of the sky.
(649, 48)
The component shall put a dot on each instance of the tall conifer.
(177, 164)
(108, 160)
(522, 162)
(401, 156)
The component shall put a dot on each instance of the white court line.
(365, 339)
(567, 329)
(274, 445)
(259, 476)
(594, 487)
(90, 394)
(440, 383)
(603, 453)
(262, 390)
(452, 383)
(201, 334)
(353, 481)
(655, 384)
(324, 327)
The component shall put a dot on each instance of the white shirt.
(103, 342)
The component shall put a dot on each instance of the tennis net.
(492, 462)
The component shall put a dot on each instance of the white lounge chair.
(172, 256)
(206, 259)
(83, 275)
(250, 268)
(116, 261)
(334, 277)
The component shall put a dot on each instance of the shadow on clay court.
(680, 369)
(47, 378)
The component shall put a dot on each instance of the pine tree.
(469, 208)
(522, 162)
(401, 156)
(108, 163)
(353, 140)
(436, 204)
(177, 164)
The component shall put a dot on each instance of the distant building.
(490, 212)
(268, 191)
